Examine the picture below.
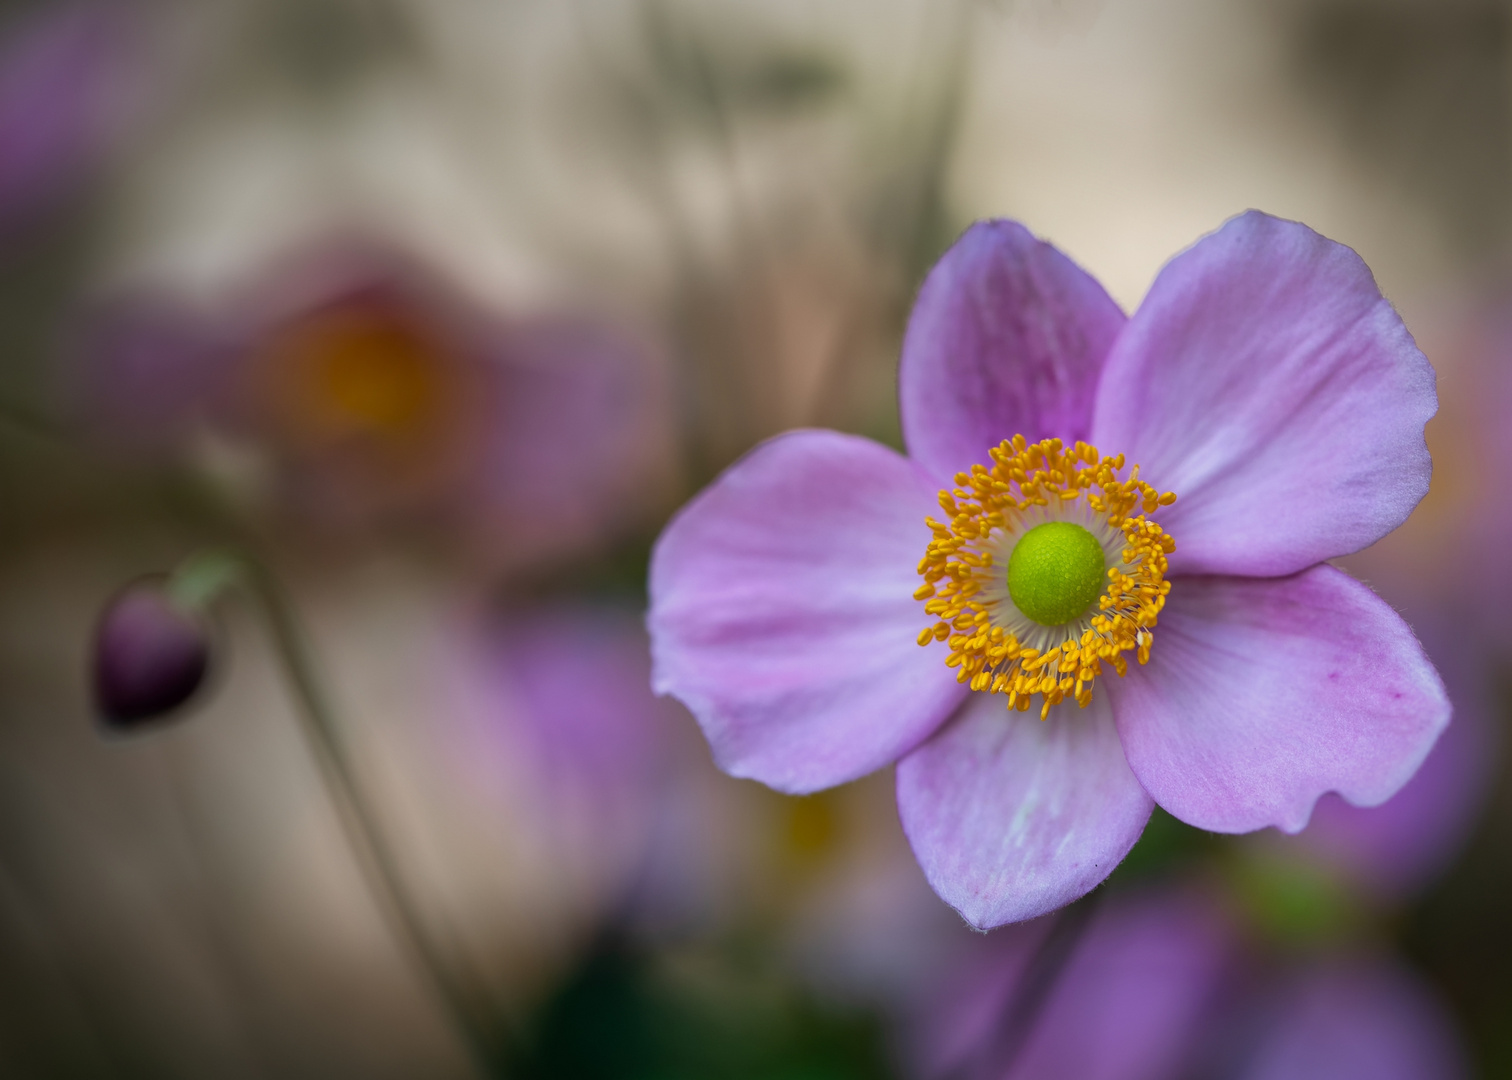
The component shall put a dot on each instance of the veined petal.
(782, 612)
(1267, 382)
(1012, 816)
(1262, 694)
(1007, 338)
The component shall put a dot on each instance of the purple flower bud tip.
(150, 656)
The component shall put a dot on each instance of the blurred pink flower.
(579, 674)
(1159, 986)
(1264, 380)
(72, 76)
(560, 710)
(380, 395)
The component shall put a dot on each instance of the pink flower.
(376, 393)
(1264, 381)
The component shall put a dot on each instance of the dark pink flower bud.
(150, 655)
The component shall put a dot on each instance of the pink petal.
(1261, 695)
(1137, 994)
(1266, 381)
(1133, 1000)
(1011, 816)
(1007, 338)
(782, 612)
(1407, 841)
(1362, 1019)
(70, 79)
(567, 435)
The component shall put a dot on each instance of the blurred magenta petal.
(1012, 816)
(581, 675)
(1266, 381)
(782, 612)
(1135, 996)
(1359, 1020)
(66, 86)
(1159, 985)
(572, 411)
(145, 371)
(559, 708)
(1006, 338)
(1269, 692)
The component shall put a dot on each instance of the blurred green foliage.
(628, 1014)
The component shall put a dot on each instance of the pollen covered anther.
(1043, 571)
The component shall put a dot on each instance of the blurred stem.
(28, 425)
(198, 582)
(1035, 986)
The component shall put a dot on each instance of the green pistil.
(1056, 572)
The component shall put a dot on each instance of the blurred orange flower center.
(359, 372)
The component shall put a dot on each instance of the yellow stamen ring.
(996, 646)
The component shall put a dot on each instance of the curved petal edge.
(1011, 816)
(1263, 694)
(782, 612)
(1267, 382)
(1007, 338)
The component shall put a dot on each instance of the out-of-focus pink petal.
(66, 85)
(1262, 694)
(1007, 338)
(1267, 382)
(1359, 1021)
(548, 714)
(782, 612)
(570, 425)
(580, 675)
(1012, 816)
(143, 370)
(1133, 999)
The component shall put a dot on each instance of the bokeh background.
(437, 310)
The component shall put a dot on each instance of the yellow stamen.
(994, 646)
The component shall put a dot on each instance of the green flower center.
(1056, 572)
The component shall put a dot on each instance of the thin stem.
(204, 576)
(30, 426)
(1040, 976)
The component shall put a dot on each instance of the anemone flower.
(1262, 412)
(373, 391)
(1161, 986)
